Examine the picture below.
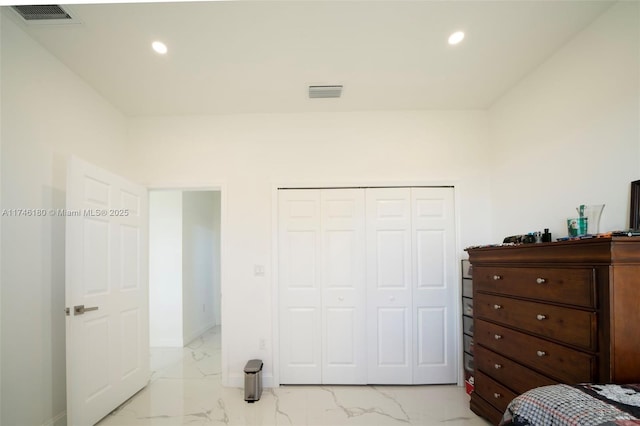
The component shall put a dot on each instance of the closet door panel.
(433, 288)
(389, 322)
(299, 250)
(343, 286)
(392, 345)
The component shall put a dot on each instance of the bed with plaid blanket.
(576, 405)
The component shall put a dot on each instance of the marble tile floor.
(185, 389)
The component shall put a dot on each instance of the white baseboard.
(199, 332)
(59, 420)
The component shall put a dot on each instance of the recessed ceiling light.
(159, 47)
(456, 37)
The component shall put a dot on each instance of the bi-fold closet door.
(322, 286)
(365, 287)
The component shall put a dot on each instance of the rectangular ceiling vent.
(44, 13)
(325, 91)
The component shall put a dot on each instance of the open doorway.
(184, 266)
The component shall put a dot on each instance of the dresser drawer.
(571, 326)
(519, 378)
(557, 361)
(493, 392)
(575, 286)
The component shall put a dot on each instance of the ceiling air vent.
(43, 12)
(325, 91)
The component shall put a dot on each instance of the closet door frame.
(274, 380)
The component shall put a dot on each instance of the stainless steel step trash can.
(253, 380)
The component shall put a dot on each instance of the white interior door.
(299, 292)
(106, 275)
(435, 359)
(343, 287)
(389, 282)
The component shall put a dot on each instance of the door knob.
(80, 309)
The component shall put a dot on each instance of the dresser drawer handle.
(497, 336)
(497, 366)
(541, 317)
(496, 307)
(497, 277)
(541, 353)
(497, 395)
(541, 280)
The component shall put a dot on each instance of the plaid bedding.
(576, 405)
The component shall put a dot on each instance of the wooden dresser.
(563, 312)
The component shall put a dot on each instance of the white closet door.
(366, 286)
(343, 287)
(389, 302)
(434, 355)
(300, 295)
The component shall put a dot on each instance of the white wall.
(165, 269)
(251, 154)
(198, 240)
(47, 114)
(568, 134)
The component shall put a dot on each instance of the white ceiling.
(260, 56)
